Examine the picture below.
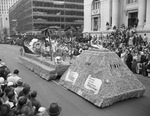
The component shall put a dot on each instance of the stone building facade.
(98, 13)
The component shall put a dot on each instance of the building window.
(95, 25)
(96, 4)
(131, 1)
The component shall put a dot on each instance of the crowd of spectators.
(17, 98)
(131, 47)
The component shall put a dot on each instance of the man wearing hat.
(54, 109)
(14, 78)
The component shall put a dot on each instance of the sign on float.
(71, 76)
(93, 84)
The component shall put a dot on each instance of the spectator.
(1, 81)
(140, 40)
(1, 90)
(23, 108)
(4, 71)
(145, 39)
(124, 56)
(19, 87)
(25, 92)
(35, 102)
(127, 36)
(148, 68)
(131, 40)
(129, 60)
(144, 69)
(14, 78)
(135, 40)
(134, 65)
(11, 99)
(5, 110)
(136, 22)
(7, 89)
(107, 26)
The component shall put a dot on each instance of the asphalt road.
(72, 104)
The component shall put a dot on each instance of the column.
(141, 13)
(87, 15)
(105, 11)
(148, 15)
(110, 12)
(115, 13)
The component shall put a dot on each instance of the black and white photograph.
(74, 57)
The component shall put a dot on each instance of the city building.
(98, 13)
(5, 5)
(4, 24)
(4, 18)
(32, 15)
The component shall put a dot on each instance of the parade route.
(71, 103)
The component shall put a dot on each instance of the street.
(72, 104)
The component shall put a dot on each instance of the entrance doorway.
(133, 19)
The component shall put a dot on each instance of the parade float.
(39, 55)
(49, 55)
(99, 76)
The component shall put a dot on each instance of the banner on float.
(93, 84)
(71, 76)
